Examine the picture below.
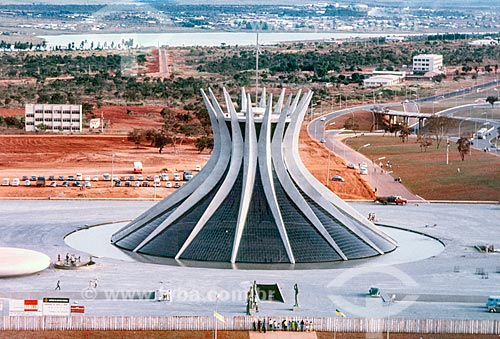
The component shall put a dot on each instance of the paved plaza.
(444, 285)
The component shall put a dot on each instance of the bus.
(481, 133)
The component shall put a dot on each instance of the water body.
(412, 247)
(197, 38)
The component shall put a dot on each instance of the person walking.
(58, 285)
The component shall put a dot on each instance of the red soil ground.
(92, 154)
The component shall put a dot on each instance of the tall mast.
(257, 70)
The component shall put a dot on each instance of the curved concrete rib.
(230, 178)
(288, 184)
(266, 173)
(249, 170)
(338, 203)
(304, 179)
(187, 189)
(263, 99)
(279, 104)
(244, 103)
(205, 186)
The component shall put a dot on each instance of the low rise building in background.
(53, 118)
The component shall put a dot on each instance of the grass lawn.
(428, 175)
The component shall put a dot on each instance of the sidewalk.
(378, 179)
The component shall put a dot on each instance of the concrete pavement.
(450, 277)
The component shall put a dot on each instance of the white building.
(53, 117)
(382, 80)
(427, 63)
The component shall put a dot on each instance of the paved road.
(382, 181)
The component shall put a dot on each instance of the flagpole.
(215, 319)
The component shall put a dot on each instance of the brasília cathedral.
(254, 201)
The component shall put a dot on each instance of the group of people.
(265, 325)
(70, 259)
(371, 216)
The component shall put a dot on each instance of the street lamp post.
(389, 302)
(112, 167)
(357, 151)
(459, 125)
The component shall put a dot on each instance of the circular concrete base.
(20, 261)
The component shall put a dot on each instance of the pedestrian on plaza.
(58, 285)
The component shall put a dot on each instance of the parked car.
(131, 178)
(164, 176)
(137, 184)
(86, 178)
(363, 171)
(65, 184)
(95, 178)
(392, 199)
(197, 168)
(140, 177)
(351, 166)
(177, 185)
(114, 177)
(61, 177)
(322, 140)
(87, 184)
(177, 177)
(27, 183)
(338, 178)
(52, 178)
(106, 177)
(71, 177)
(25, 177)
(77, 183)
(127, 183)
(145, 183)
(168, 184)
(33, 178)
(79, 176)
(15, 182)
(149, 178)
(53, 184)
(118, 183)
(6, 182)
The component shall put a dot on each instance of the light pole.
(112, 167)
(357, 151)
(459, 125)
(389, 302)
(447, 151)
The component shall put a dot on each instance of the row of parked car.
(80, 180)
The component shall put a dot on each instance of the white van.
(5, 182)
(493, 303)
(15, 182)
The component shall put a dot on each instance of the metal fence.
(206, 323)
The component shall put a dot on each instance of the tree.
(439, 126)
(424, 141)
(204, 142)
(170, 126)
(404, 132)
(136, 135)
(491, 99)
(463, 146)
(351, 124)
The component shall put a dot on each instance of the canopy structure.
(254, 201)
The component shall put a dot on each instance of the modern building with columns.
(254, 201)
